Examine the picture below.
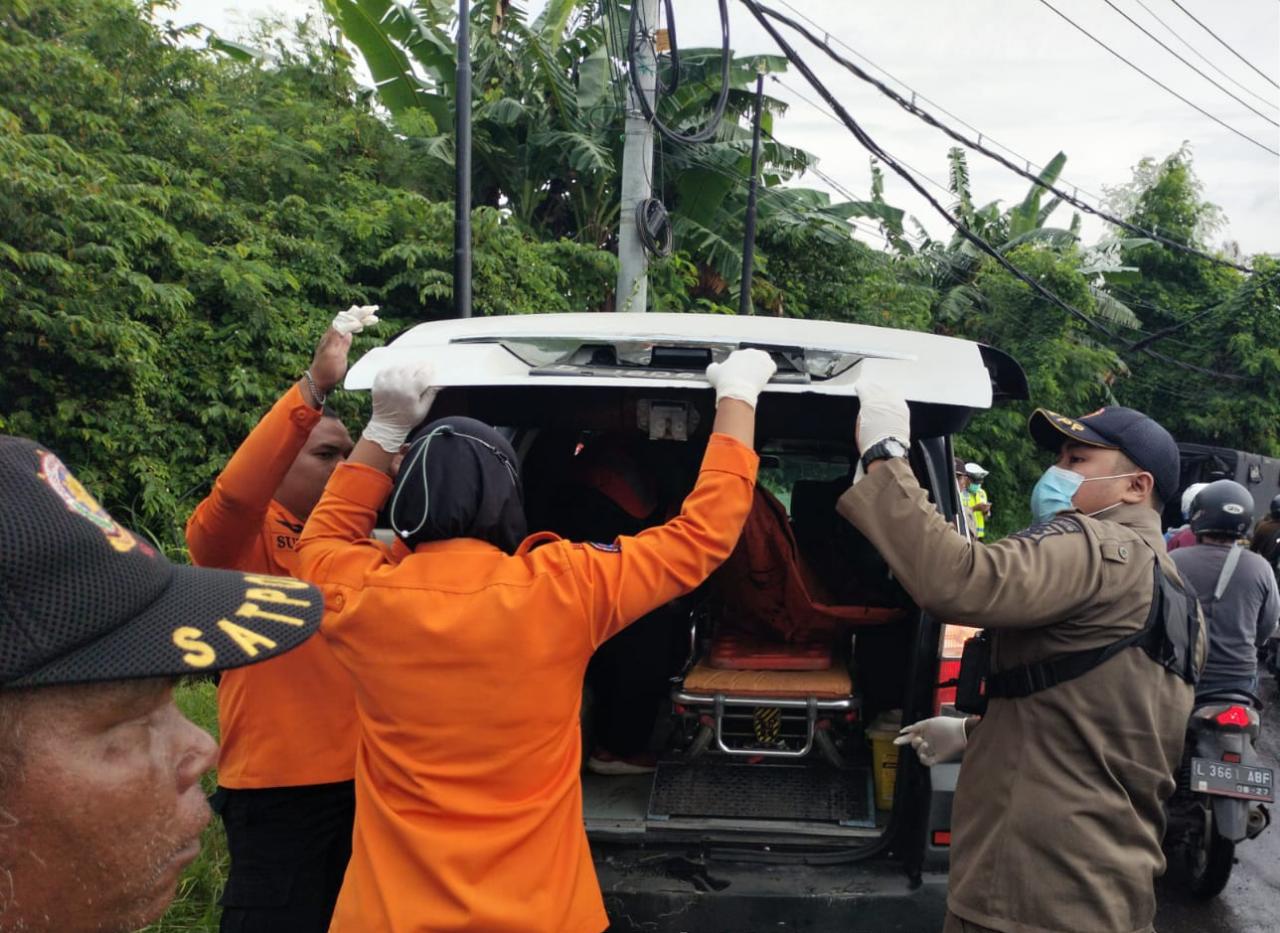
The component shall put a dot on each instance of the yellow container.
(884, 757)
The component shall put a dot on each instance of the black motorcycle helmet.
(1224, 507)
(1275, 508)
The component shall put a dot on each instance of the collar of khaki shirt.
(1141, 519)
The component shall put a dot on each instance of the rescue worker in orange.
(288, 726)
(468, 657)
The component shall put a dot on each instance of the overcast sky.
(1022, 77)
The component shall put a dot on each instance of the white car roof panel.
(925, 367)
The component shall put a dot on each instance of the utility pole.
(462, 168)
(749, 236)
(637, 167)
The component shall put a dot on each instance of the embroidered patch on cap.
(80, 501)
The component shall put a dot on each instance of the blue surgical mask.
(1053, 493)
(1056, 489)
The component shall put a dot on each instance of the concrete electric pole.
(637, 166)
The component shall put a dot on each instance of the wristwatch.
(883, 450)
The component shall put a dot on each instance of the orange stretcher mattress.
(831, 684)
(744, 653)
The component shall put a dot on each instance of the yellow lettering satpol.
(280, 583)
(248, 640)
(276, 596)
(198, 653)
(254, 611)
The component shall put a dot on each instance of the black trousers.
(628, 675)
(289, 850)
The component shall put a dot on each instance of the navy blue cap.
(1138, 437)
(83, 599)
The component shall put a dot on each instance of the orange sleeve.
(622, 582)
(335, 547)
(225, 525)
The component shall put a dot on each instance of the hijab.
(459, 479)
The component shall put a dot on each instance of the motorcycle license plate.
(1249, 782)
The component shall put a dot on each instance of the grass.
(195, 908)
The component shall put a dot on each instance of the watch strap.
(881, 450)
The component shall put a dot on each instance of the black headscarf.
(459, 479)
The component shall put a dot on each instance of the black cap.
(1131, 432)
(83, 599)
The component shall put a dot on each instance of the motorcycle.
(1221, 795)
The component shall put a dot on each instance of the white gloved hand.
(355, 319)
(742, 376)
(402, 396)
(940, 739)
(883, 413)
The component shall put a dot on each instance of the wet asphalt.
(1251, 901)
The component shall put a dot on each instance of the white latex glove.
(742, 376)
(355, 319)
(942, 738)
(402, 396)
(883, 413)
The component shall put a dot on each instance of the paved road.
(1251, 901)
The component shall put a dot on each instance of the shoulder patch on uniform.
(610, 548)
(1060, 525)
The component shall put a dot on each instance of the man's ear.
(1141, 487)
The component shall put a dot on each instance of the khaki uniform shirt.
(1058, 814)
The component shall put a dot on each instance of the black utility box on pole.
(462, 166)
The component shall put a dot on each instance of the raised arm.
(998, 585)
(226, 523)
(621, 582)
(335, 546)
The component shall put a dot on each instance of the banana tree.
(1024, 223)
(548, 115)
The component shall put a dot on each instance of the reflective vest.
(974, 497)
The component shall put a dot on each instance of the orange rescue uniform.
(289, 721)
(468, 664)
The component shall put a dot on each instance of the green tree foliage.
(548, 111)
(853, 282)
(181, 223)
(179, 227)
(1212, 335)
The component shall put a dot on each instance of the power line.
(1200, 55)
(831, 116)
(776, 194)
(874, 148)
(1149, 34)
(1157, 81)
(1174, 328)
(976, 145)
(916, 95)
(1224, 44)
